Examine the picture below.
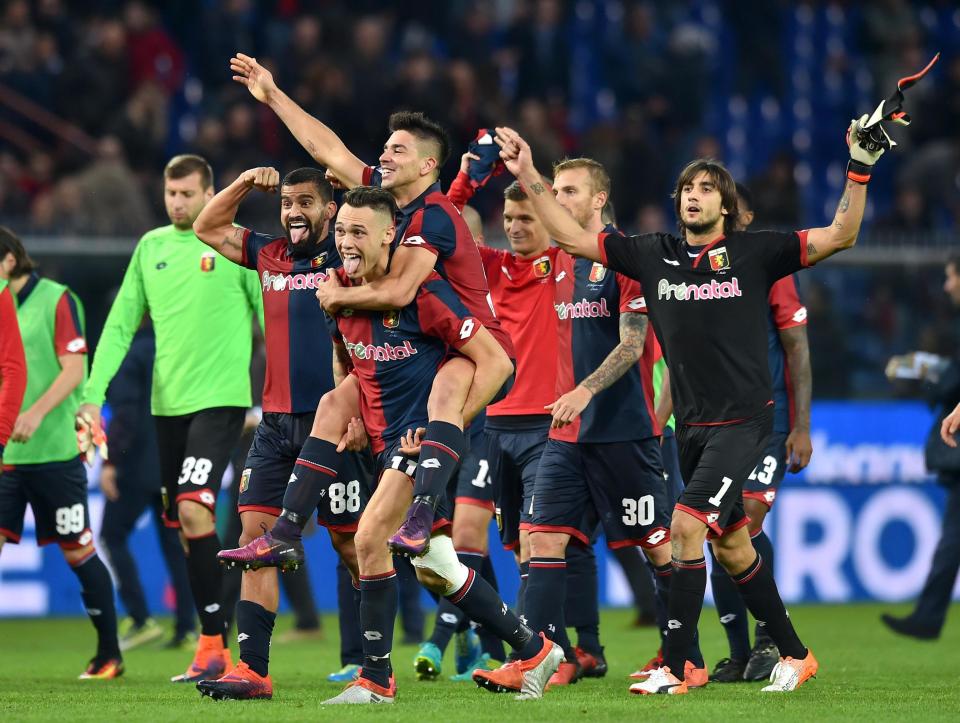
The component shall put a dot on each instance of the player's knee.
(76, 555)
(331, 417)
(346, 549)
(449, 391)
(548, 544)
(194, 519)
(685, 528)
(470, 533)
(370, 546)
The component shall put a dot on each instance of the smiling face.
(184, 199)
(527, 236)
(405, 160)
(363, 238)
(304, 215)
(701, 206)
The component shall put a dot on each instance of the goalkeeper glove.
(90, 439)
(489, 164)
(866, 146)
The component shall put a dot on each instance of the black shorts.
(393, 458)
(623, 481)
(514, 447)
(715, 461)
(57, 493)
(270, 462)
(195, 450)
(473, 484)
(764, 481)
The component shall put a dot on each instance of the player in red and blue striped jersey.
(431, 236)
(290, 268)
(388, 360)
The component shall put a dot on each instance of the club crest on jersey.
(245, 480)
(318, 261)
(719, 259)
(597, 272)
(207, 261)
(541, 267)
(391, 319)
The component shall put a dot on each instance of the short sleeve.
(68, 328)
(253, 243)
(432, 229)
(444, 316)
(624, 254)
(788, 310)
(332, 328)
(631, 295)
(784, 253)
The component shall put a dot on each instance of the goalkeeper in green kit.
(202, 311)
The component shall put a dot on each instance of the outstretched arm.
(321, 143)
(633, 332)
(563, 229)
(866, 147)
(214, 226)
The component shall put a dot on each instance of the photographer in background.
(940, 379)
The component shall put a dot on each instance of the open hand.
(257, 79)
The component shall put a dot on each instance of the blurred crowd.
(95, 96)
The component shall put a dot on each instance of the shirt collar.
(28, 288)
(420, 201)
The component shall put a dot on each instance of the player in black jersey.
(706, 290)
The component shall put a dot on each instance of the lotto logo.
(76, 345)
(430, 463)
(712, 517)
(207, 498)
(86, 538)
(800, 315)
(728, 618)
(373, 635)
(449, 618)
(674, 624)
(242, 636)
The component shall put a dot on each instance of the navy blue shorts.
(57, 493)
(393, 458)
(622, 481)
(671, 465)
(764, 482)
(715, 461)
(514, 446)
(473, 485)
(270, 462)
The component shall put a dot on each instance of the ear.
(600, 200)
(428, 165)
(331, 210)
(390, 233)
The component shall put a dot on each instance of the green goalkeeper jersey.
(659, 368)
(202, 308)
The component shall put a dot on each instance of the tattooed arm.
(633, 332)
(214, 226)
(842, 233)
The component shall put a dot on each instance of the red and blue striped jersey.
(298, 348)
(433, 223)
(786, 311)
(396, 354)
(590, 299)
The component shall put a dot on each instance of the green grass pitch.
(866, 673)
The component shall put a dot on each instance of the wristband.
(858, 172)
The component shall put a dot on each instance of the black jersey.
(709, 307)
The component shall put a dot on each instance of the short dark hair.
(423, 129)
(378, 199)
(186, 163)
(515, 192)
(725, 184)
(744, 194)
(310, 175)
(11, 244)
